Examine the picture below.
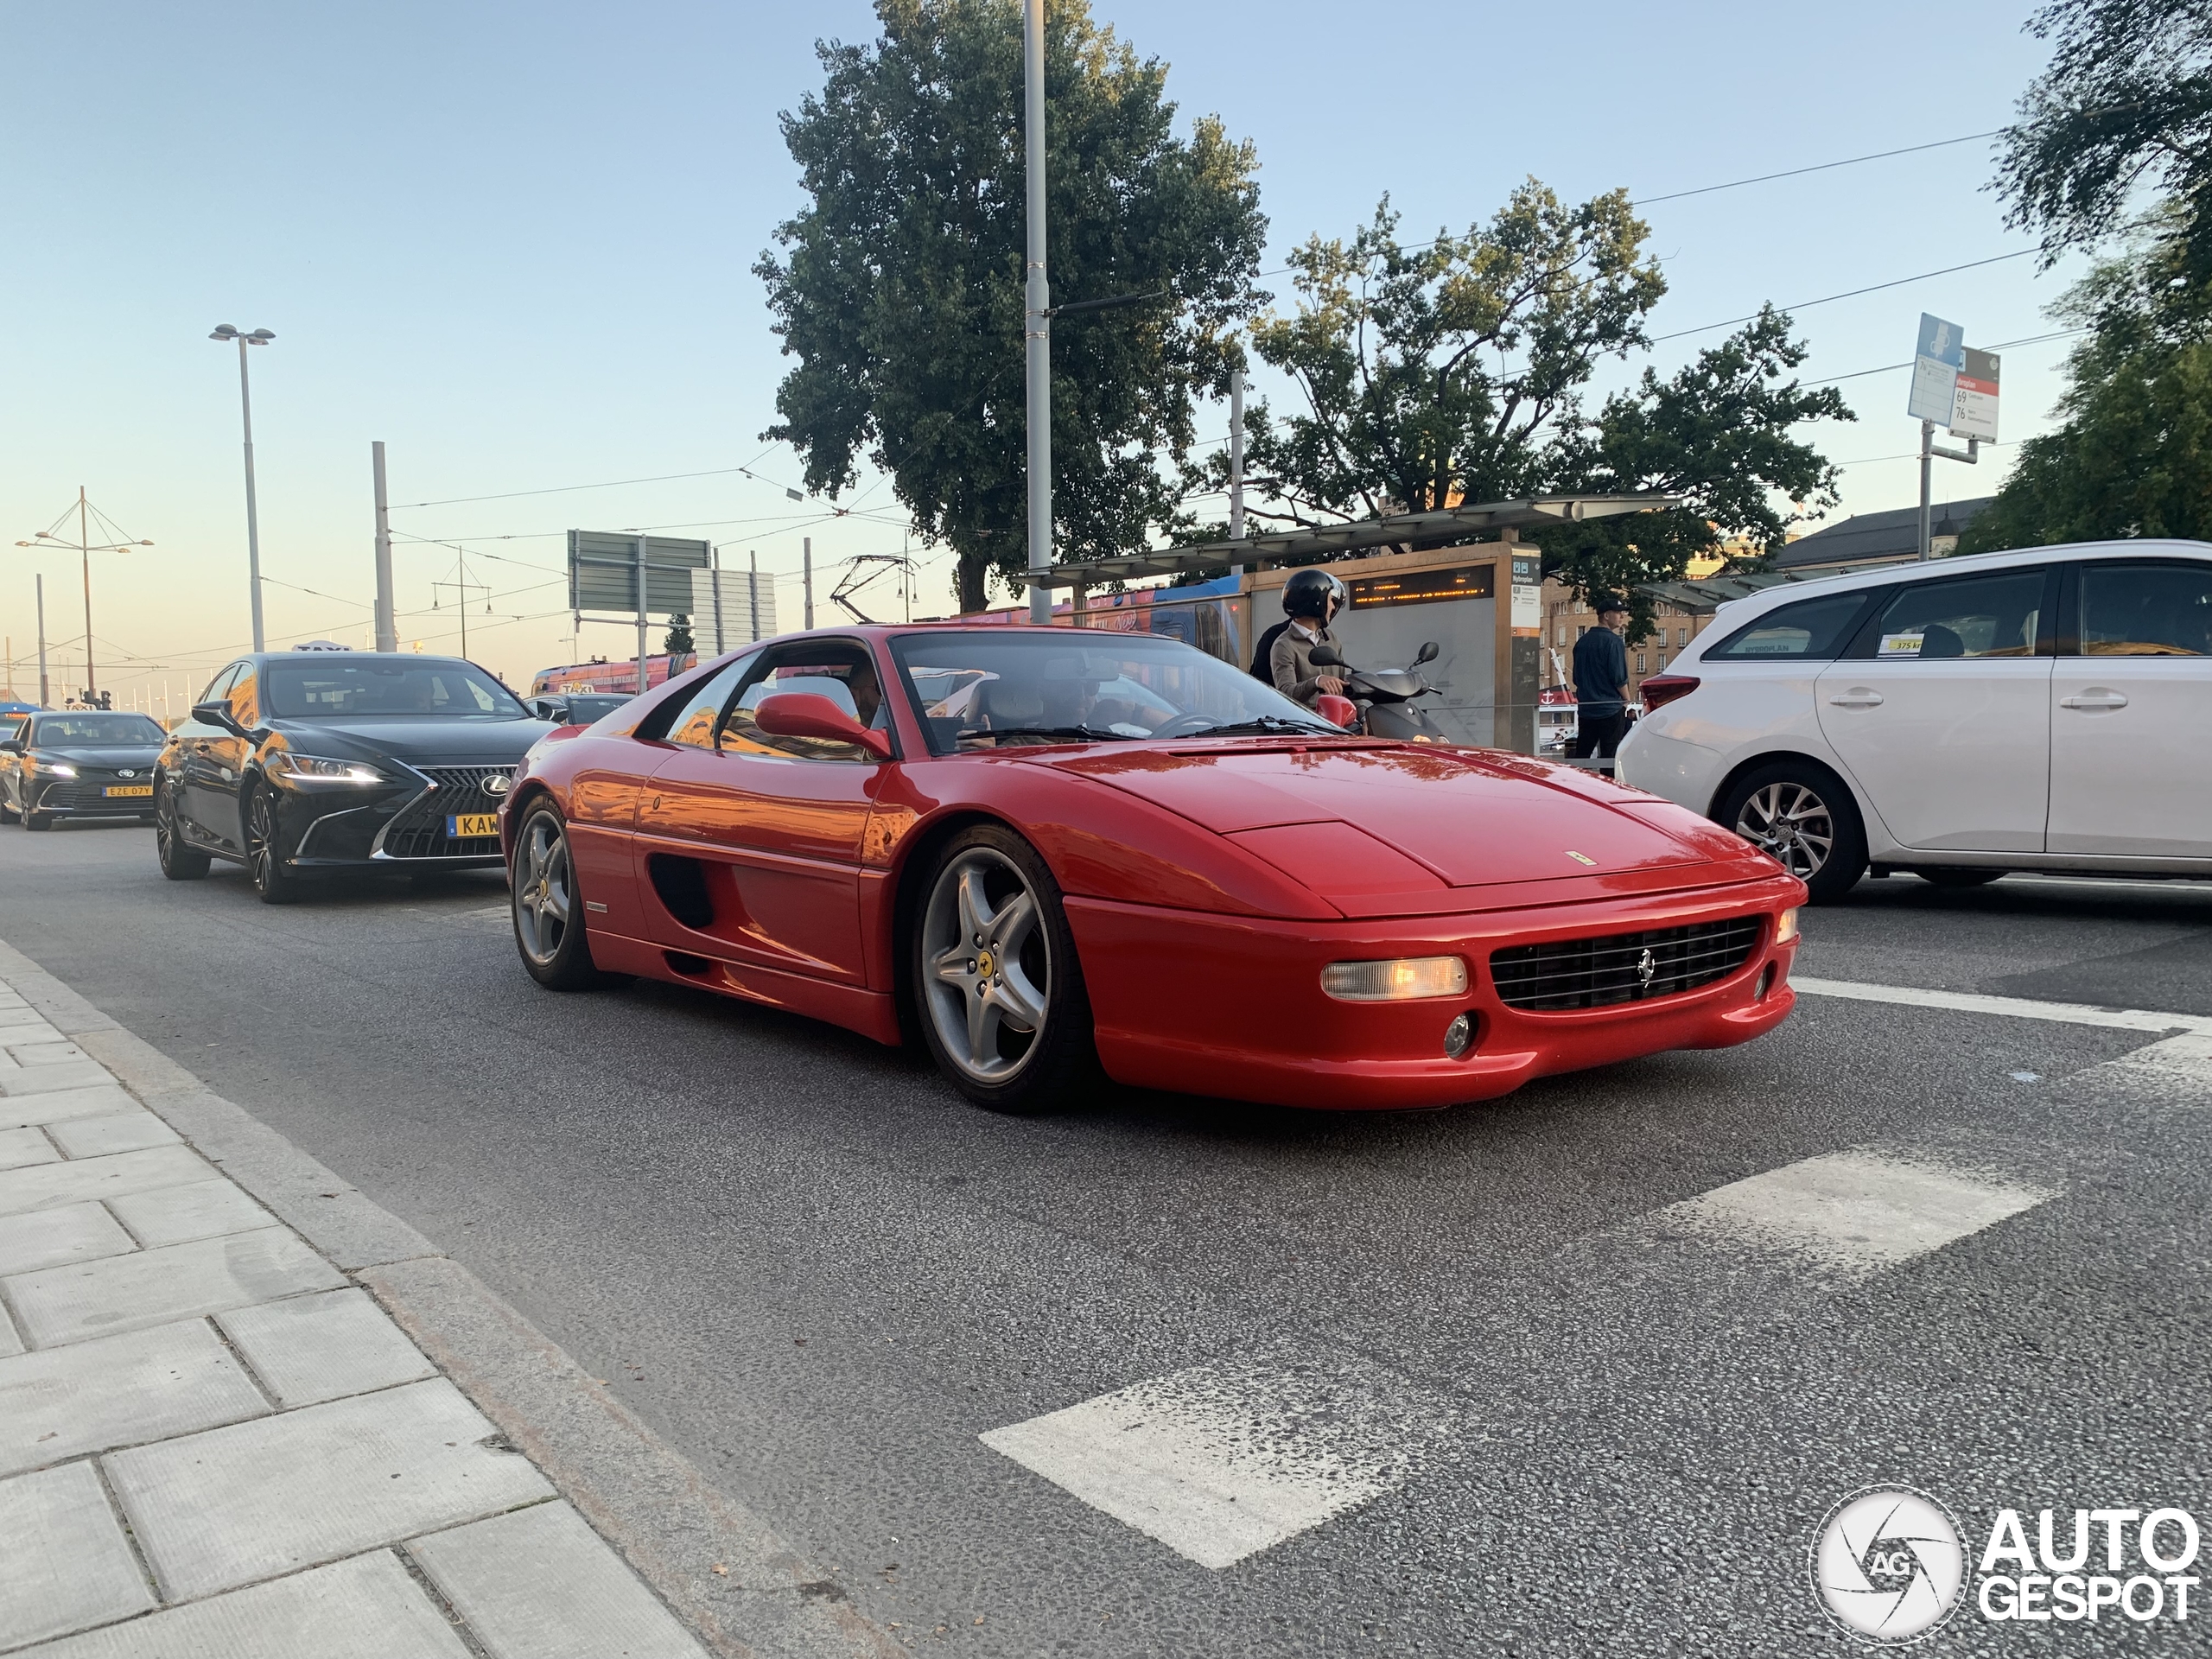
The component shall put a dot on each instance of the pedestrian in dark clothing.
(1263, 665)
(1601, 684)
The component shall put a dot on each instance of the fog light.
(1404, 979)
(1458, 1037)
(1766, 982)
(1786, 929)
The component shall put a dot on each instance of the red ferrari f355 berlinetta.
(1051, 852)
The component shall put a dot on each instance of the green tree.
(2126, 103)
(678, 640)
(1456, 372)
(902, 293)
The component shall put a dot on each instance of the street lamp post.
(258, 337)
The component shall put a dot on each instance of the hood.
(1371, 823)
(435, 738)
(107, 759)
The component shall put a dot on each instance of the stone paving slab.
(21, 1147)
(56, 1050)
(177, 1215)
(537, 1584)
(44, 1079)
(126, 1293)
(48, 1186)
(10, 1342)
(64, 1103)
(216, 1510)
(66, 1564)
(315, 1348)
(58, 1403)
(96, 1137)
(53, 1238)
(365, 1608)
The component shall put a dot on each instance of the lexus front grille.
(418, 829)
(1622, 967)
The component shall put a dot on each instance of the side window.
(1974, 616)
(1812, 630)
(219, 686)
(841, 673)
(2146, 610)
(245, 703)
(694, 724)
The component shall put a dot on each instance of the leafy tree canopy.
(2125, 106)
(902, 293)
(1455, 371)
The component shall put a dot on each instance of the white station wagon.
(2044, 709)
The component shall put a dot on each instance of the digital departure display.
(1424, 587)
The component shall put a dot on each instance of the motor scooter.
(1385, 696)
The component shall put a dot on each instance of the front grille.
(1597, 973)
(418, 829)
(83, 793)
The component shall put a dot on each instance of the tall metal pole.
(714, 558)
(1926, 486)
(641, 612)
(753, 584)
(252, 518)
(1037, 326)
(806, 572)
(463, 560)
(84, 552)
(41, 580)
(387, 624)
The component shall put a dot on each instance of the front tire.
(1802, 816)
(995, 977)
(547, 910)
(272, 883)
(179, 862)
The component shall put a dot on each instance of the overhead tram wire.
(1852, 294)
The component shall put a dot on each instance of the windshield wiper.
(1266, 723)
(1081, 733)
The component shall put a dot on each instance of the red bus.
(600, 675)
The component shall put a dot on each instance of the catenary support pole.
(1237, 461)
(714, 565)
(641, 614)
(42, 702)
(806, 573)
(252, 516)
(84, 553)
(1037, 324)
(753, 588)
(387, 624)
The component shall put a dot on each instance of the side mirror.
(217, 713)
(1427, 653)
(10, 746)
(1324, 657)
(1338, 711)
(802, 714)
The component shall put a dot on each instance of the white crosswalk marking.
(1855, 1211)
(2176, 1072)
(1221, 1460)
(2017, 1007)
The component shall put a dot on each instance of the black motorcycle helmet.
(1309, 593)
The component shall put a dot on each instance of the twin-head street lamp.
(85, 548)
(258, 337)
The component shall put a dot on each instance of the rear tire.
(272, 883)
(547, 908)
(1801, 815)
(1957, 875)
(179, 862)
(996, 983)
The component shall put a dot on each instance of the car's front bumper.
(84, 796)
(1233, 1006)
(401, 828)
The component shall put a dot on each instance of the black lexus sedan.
(299, 762)
(78, 764)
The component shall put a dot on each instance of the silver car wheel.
(987, 965)
(543, 894)
(1791, 824)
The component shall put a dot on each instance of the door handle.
(1858, 696)
(2094, 700)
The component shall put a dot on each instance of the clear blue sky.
(514, 242)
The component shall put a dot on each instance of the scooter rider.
(1311, 600)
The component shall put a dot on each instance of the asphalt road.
(1580, 1424)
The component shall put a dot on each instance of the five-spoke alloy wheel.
(995, 977)
(549, 916)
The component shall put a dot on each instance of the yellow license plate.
(127, 789)
(468, 826)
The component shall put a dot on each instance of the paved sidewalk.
(213, 1442)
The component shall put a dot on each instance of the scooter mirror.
(1428, 652)
(1323, 656)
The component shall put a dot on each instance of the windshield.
(342, 690)
(583, 711)
(98, 731)
(985, 690)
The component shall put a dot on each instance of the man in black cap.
(1601, 684)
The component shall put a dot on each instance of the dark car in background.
(578, 707)
(297, 763)
(77, 764)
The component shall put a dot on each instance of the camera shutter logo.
(1888, 1565)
